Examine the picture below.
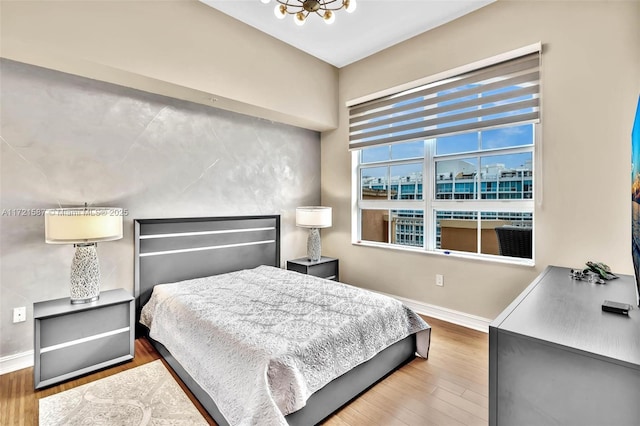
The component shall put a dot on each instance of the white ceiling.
(374, 26)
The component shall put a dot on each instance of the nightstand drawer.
(74, 358)
(323, 270)
(326, 267)
(65, 328)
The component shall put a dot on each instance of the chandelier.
(300, 9)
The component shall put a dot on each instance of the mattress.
(261, 341)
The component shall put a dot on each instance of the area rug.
(145, 395)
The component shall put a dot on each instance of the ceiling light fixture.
(301, 9)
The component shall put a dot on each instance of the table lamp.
(313, 217)
(83, 227)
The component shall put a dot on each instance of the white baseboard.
(445, 314)
(16, 362)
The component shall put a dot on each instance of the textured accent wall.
(66, 140)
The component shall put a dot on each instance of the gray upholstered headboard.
(170, 250)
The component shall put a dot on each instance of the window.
(440, 166)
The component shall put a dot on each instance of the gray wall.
(67, 140)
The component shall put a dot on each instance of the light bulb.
(280, 11)
(299, 18)
(265, 1)
(350, 5)
(329, 17)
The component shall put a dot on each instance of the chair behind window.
(514, 241)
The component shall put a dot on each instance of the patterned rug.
(145, 395)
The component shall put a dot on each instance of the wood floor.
(449, 389)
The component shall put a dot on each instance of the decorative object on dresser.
(144, 395)
(74, 339)
(83, 227)
(555, 357)
(313, 217)
(325, 267)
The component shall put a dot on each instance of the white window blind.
(499, 95)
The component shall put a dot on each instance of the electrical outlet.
(19, 314)
(440, 280)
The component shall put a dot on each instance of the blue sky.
(468, 142)
(505, 137)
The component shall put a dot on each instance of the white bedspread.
(261, 341)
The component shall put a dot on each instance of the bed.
(187, 258)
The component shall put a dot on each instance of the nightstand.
(72, 340)
(326, 267)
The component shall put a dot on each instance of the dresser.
(72, 340)
(555, 358)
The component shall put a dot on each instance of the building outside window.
(448, 166)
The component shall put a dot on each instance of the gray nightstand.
(326, 267)
(71, 340)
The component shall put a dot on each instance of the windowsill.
(448, 253)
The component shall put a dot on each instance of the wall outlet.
(440, 280)
(19, 314)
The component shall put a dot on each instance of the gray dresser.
(555, 358)
(71, 340)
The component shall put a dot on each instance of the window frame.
(428, 204)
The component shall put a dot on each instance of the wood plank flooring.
(449, 389)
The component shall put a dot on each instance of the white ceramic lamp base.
(85, 274)
(314, 247)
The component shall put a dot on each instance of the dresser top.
(562, 311)
(62, 306)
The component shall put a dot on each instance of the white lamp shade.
(82, 225)
(313, 217)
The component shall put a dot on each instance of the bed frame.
(170, 250)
